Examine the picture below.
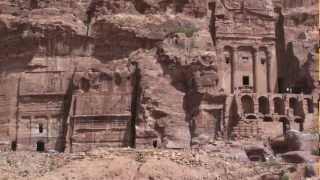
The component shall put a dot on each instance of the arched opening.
(300, 121)
(14, 145)
(155, 143)
(264, 105)
(279, 106)
(247, 104)
(40, 146)
(293, 104)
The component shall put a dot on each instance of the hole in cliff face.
(141, 6)
(256, 155)
(14, 145)
(84, 84)
(118, 79)
(40, 128)
(155, 143)
(40, 146)
(34, 4)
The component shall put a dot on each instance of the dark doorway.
(155, 143)
(247, 104)
(280, 85)
(13, 145)
(293, 104)
(264, 105)
(245, 80)
(279, 106)
(301, 128)
(40, 128)
(84, 84)
(40, 146)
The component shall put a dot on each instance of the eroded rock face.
(76, 75)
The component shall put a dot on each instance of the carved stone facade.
(100, 110)
(77, 75)
(40, 111)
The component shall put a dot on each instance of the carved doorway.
(40, 146)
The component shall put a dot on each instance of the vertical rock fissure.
(280, 47)
(212, 24)
(66, 111)
(90, 14)
(135, 103)
(17, 112)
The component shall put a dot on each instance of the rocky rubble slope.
(129, 164)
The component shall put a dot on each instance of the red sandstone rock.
(76, 75)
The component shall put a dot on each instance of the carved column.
(234, 70)
(255, 69)
(268, 64)
(271, 104)
(256, 103)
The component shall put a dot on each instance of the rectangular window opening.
(245, 58)
(245, 80)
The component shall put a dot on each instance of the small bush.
(309, 171)
(140, 157)
(273, 163)
(316, 152)
(188, 30)
(52, 165)
(284, 177)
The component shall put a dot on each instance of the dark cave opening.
(40, 146)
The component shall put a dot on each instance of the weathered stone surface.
(77, 75)
(298, 141)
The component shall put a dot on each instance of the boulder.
(298, 141)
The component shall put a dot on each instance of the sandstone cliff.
(152, 72)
